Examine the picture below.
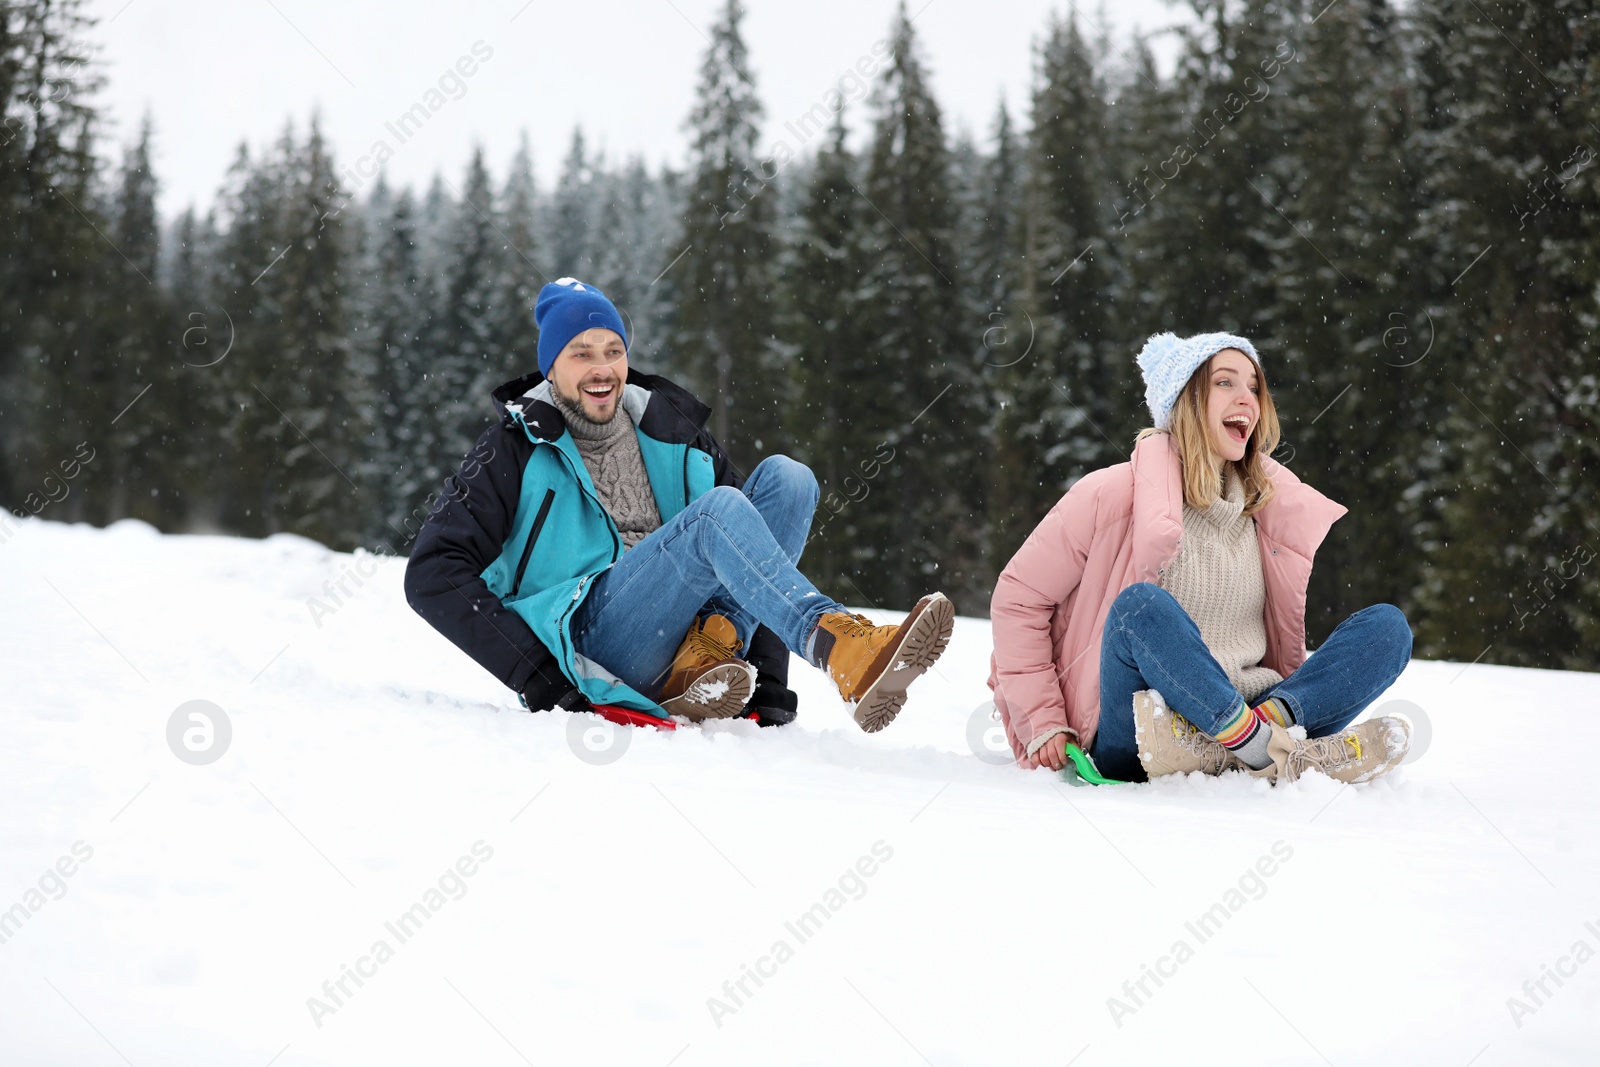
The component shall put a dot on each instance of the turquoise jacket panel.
(562, 537)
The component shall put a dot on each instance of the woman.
(1156, 616)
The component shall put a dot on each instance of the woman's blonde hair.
(1202, 467)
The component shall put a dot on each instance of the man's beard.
(578, 408)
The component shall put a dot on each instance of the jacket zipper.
(533, 535)
(616, 538)
(686, 500)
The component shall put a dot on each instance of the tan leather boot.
(873, 665)
(1170, 744)
(1355, 754)
(707, 680)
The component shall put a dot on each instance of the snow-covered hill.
(390, 864)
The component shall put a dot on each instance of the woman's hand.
(1053, 753)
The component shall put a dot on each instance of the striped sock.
(1276, 710)
(1245, 735)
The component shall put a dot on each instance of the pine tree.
(1016, 357)
(187, 408)
(925, 526)
(1187, 204)
(254, 437)
(515, 332)
(1075, 258)
(724, 340)
(463, 368)
(404, 445)
(827, 335)
(1507, 135)
(311, 381)
(137, 444)
(13, 209)
(638, 229)
(572, 214)
(50, 361)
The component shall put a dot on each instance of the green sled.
(1082, 771)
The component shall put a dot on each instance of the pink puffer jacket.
(1116, 527)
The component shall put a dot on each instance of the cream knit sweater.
(1217, 579)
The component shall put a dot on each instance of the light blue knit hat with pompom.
(1169, 361)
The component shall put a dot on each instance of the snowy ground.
(961, 912)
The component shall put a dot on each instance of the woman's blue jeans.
(1150, 642)
(731, 552)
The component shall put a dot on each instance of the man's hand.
(1053, 753)
(549, 690)
(573, 701)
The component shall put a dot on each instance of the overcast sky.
(213, 73)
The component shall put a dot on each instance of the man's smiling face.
(590, 371)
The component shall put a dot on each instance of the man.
(607, 554)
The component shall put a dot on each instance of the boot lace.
(705, 645)
(1185, 733)
(1188, 736)
(855, 625)
(1325, 753)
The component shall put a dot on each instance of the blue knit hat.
(566, 308)
(1169, 361)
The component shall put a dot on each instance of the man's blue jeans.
(1150, 642)
(729, 552)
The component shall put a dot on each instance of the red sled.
(629, 717)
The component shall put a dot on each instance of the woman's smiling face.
(1233, 406)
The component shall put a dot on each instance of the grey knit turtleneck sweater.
(1217, 579)
(611, 452)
